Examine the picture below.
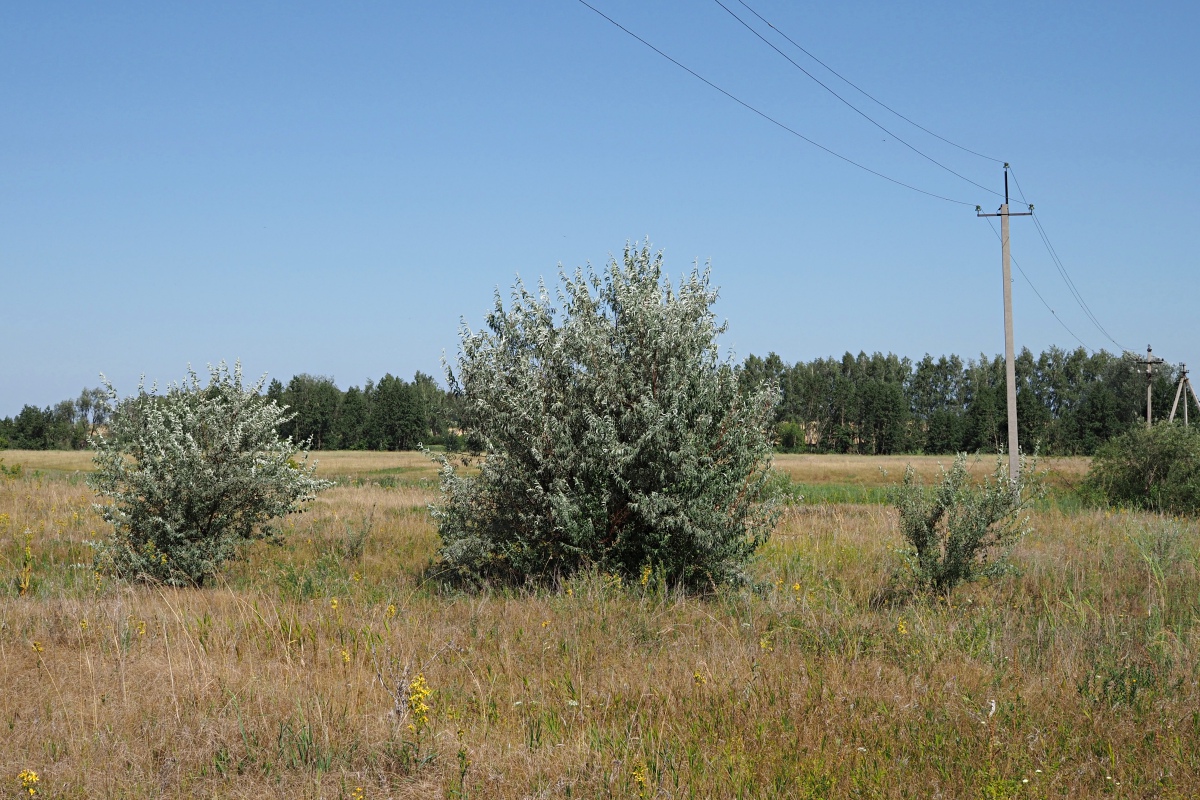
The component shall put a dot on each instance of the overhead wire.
(771, 119)
(1062, 269)
(851, 106)
(1071, 283)
(1053, 313)
(864, 92)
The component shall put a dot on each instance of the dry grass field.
(1076, 676)
(330, 464)
(859, 471)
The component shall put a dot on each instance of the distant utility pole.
(1150, 360)
(1010, 368)
(1185, 386)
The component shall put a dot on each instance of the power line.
(1071, 283)
(850, 105)
(1062, 270)
(1076, 294)
(1039, 296)
(771, 119)
(1040, 229)
(864, 92)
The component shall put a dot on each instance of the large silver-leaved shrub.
(192, 474)
(616, 437)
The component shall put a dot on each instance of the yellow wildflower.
(29, 780)
(902, 627)
(27, 568)
(640, 777)
(418, 693)
(37, 647)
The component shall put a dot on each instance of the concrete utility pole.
(1010, 368)
(1185, 386)
(1150, 360)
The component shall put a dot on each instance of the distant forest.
(1068, 403)
(391, 414)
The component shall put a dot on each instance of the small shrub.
(790, 436)
(193, 474)
(615, 436)
(1154, 469)
(354, 543)
(956, 527)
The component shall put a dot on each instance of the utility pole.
(1150, 360)
(1010, 368)
(1185, 386)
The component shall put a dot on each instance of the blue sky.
(332, 188)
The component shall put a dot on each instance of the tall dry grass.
(1075, 677)
(330, 463)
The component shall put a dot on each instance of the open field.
(862, 471)
(865, 479)
(875, 471)
(270, 684)
(330, 463)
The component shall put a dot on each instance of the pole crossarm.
(1150, 361)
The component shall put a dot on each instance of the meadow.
(326, 665)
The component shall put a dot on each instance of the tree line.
(388, 414)
(392, 414)
(64, 426)
(1069, 402)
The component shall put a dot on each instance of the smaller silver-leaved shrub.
(193, 474)
(959, 530)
